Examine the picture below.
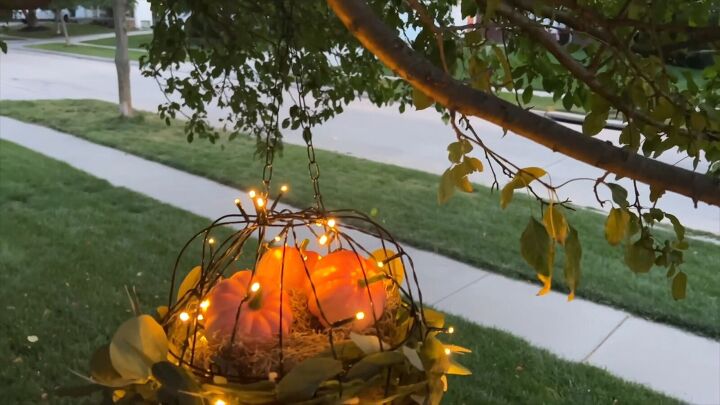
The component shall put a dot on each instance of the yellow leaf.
(189, 282)
(616, 225)
(555, 223)
(458, 349)
(522, 179)
(464, 184)
(547, 284)
(421, 100)
(394, 267)
(457, 369)
(138, 343)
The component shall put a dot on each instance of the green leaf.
(616, 225)
(3, 46)
(304, 379)
(677, 226)
(177, 383)
(468, 8)
(619, 194)
(679, 286)
(655, 193)
(573, 254)
(479, 74)
(639, 256)
(373, 364)
(421, 100)
(697, 121)
(527, 95)
(555, 223)
(137, 344)
(433, 319)
(500, 55)
(522, 179)
(593, 123)
(456, 368)
(535, 247)
(447, 187)
(101, 368)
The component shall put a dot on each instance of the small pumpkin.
(341, 290)
(259, 319)
(270, 267)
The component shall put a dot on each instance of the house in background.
(139, 16)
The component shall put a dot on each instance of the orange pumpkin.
(259, 319)
(341, 290)
(270, 267)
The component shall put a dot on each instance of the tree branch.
(382, 41)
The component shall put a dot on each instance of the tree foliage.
(249, 58)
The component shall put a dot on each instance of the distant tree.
(122, 60)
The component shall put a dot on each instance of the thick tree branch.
(382, 41)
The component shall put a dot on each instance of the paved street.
(416, 139)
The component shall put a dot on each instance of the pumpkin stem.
(256, 301)
(373, 279)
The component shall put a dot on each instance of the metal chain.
(313, 168)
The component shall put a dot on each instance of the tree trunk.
(64, 30)
(384, 43)
(30, 18)
(58, 17)
(122, 61)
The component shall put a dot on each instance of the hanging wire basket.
(330, 312)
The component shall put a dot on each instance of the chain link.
(313, 168)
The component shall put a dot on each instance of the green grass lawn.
(471, 227)
(70, 243)
(86, 50)
(74, 29)
(134, 41)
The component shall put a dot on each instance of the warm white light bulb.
(323, 240)
(260, 202)
(252, 193)
(451, 330)
(447, 351)
(219, 402)
(200, 317)
(360, 316)
(184, 316)
(380, 264)
(211, 241)
(255, 287)
(237, 201)
(277, 238)
(284, 188)
(331, 223)
(205, 304)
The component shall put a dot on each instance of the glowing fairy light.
(260, 202)
(284, 188)
(184, 316)
(380, 264)
(237, 201)
(252, 194)
(360, 316)
(200, 317)
(204, 305)
(255, 287)
(331, 223)
(219, 402)
(451, 330)
(277, 238)
(211, 241)
(323, 240)
(447, 351)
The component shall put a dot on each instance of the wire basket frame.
(338, 230)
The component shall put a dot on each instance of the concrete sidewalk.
(664, 358)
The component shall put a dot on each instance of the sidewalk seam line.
(605, 339)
